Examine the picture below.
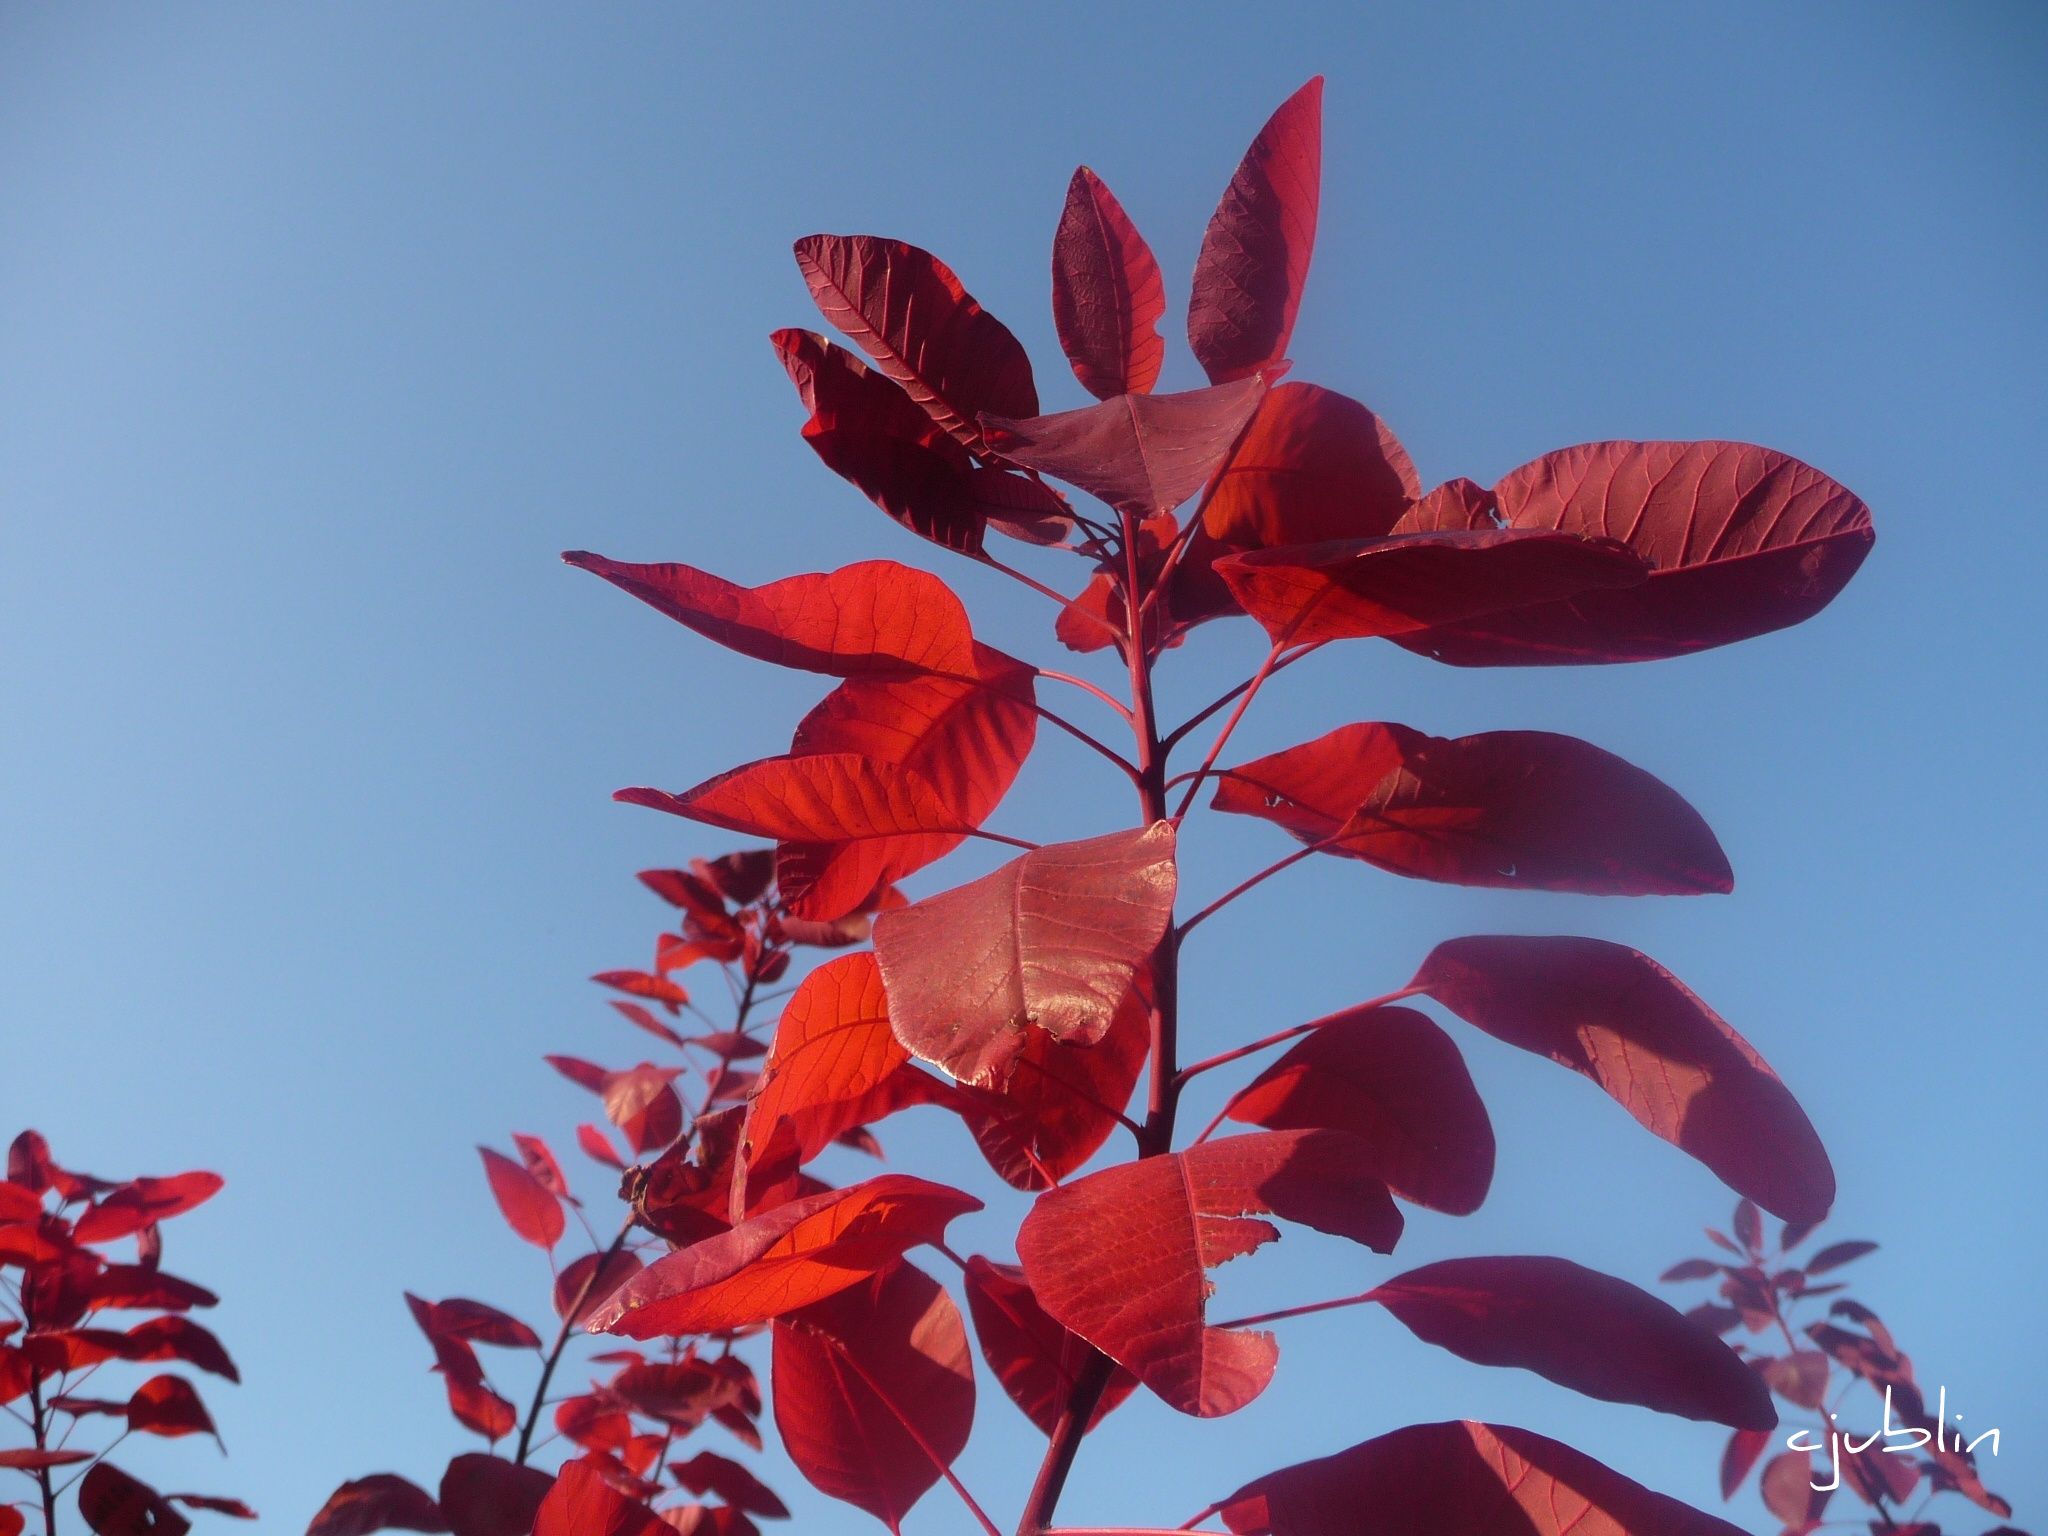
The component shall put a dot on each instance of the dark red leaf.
(1119, 1257)
(1035, 1359)
(1460, 1479)
(169, 1406)
(874, 1391)
(642, 1103)
(1741, 541)
(1106, 294)
(1835, 1255)
(1614, 1015)
(791, 1256)
(489, 1496)
(115, 1504)
(1051, 941)
(709, 1472)
(1408, 583)
(234, 1509)
(906, 310)
(1581, 1329)
(540, 1162)
(1393, 1080)
(1142, 454)
(529, 1209)
(873, 618)
(583, 1284)
(1254, 262)
(1518, 810)
(144, 1202)
(383, 1501)
(1691, 1269)
(1744, 1447)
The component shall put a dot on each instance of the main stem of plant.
(1155, 1137)
(39, 1426)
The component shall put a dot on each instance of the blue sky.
(323, 329)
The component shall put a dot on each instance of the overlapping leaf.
(1035, 1359)
(1052, 941)
(1106, 294)
(786, 1258)
(1119, 1257)
(1313, 466)
(1614, 1015)
(382, 1501)
(1525, 810)
(1460, 1479)
(874, 1390)
(1741, 540)
(1394, 1081)
(1254, 261)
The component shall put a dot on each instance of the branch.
(1174, 737)
(1300, 1029)
(1251, 689)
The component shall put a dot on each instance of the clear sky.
(323, 329)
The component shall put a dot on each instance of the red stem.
(39, 1427)
(1251, 689)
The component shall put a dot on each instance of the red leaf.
(529, 1209)
(595, 1146)
(30, 1459)
(832, 1060)
(1050, 941)
(1460, 1479)
(964, 739)
(1034, 1358)
(1741, 541)
(890, 819)
(12, 1521)
(583, 1284)
(1520, 810)
(383, 1501)
(1142, 454)
(1800, 1378)
(168, 1406)
(489, 1496)
(1581, 1329)
(1119, 1257)
(1744, 1447)
(540, 1162)
(582, 1503)
(791, 1256)
(1313, 466)
(475, 1322)
(642, 1103)
(876, 617)
(1393, 1080)
(709, 1472)
(1061, 1101)
(1835, 1255)
(1254, 261)
(906, 310)
(234, 1509)
(1407, 583)
(1617, 1017)
(143, 1202)
(115, 1504)
(874, 1391)
(1788, 1491)
(658, 989)
(1106, 293)
(178, 1338)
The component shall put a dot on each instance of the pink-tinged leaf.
(1741, 1453)
(1405, 584)
(906, 310)
(476, 1322)
(144, 1202)
(1394, 1081)
(1051, 941)
(1835, 1255)
(540, 1162)
(709, 1472)
(642, 1103)
(1254, 262)
(1691, 1269)
(963, 739)
(1614, 1015)
(832, 1063)
(1749, 1226)
(1119, 1257)
(529, 1209)
(1036, 1360)
(1788, 1491)
(1062, 1101)
(1142, 454)
(1581, 1329)
(1800, 1378)
(874, 1391)
(582, 1503)
(890, 819)
(1518, 810)
(1741, 540)
(658, 989)
(31, 1459)
(1313, 466)
(585, 1283)
(115, 1504)
(597, 1146)
(789, 1257)
(874, 618)
(1460, 1479)
(1106, 294)
(489, 1496)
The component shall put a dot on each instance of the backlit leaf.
(1313, 466)
(1035, 1359)
(115, 1504)
(1106, 293)
(1614, 1015)
(582, 1503)
(529, 1209)
(382, 1501)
